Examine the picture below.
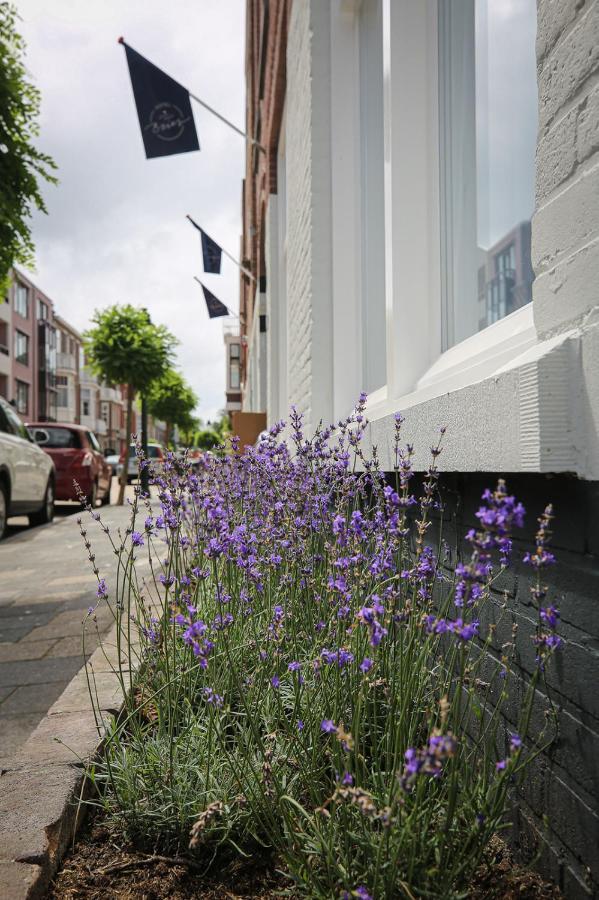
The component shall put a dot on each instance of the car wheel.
(46, 513)
(92, 497)
(3, 509)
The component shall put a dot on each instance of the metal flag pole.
(232, 258)
(210, 109)
(234, 314)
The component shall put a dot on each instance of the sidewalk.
(46, 587)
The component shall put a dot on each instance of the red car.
(77, 457)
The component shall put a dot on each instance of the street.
(46, 588)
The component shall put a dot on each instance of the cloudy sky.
(116, 229)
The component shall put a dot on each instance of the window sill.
(510, 403)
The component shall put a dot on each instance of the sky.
(116, 230)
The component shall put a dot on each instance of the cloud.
(116, 229)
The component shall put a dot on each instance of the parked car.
(27, 476)
(155, 455)
(77, 457)
(112, 458)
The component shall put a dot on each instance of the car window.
(93, 441)
(61, 438)
(154, 452)
(14, 423)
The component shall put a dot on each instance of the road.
(46, 588)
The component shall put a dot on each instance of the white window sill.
(510, 403)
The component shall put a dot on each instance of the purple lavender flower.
(137, 539)
(366, 664)
(328, 726)
(102, 591)
(275, 681)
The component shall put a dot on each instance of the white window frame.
(417, 366)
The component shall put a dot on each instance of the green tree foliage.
(22, 166)
(172, 400)
(214, 434)
(124, 347)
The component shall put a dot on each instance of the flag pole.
(234, 314)
(210, 109)
(232, 258)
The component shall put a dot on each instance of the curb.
(41, 784)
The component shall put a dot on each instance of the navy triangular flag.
(163, 108)
(212, 254)
(214, 305)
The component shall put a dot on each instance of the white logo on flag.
(167, 122)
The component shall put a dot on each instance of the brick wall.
(310, 315)
(563, 783)
(566, 223)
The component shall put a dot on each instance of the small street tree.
(172, 400)
(21, 164)
(124, 347)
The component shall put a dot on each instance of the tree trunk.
(167, 435)
(128, 430)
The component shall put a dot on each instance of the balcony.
(66, 361)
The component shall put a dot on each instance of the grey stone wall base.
(40, 787)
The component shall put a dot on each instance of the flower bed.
(315, 686)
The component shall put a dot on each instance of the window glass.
(21, 348)
(42, 310)
(62, 438)
(22, 398)
(21, 300)
(234, 376)
(488, 128)
(234, 351)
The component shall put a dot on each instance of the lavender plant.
(313, 679)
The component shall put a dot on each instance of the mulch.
(100, 867)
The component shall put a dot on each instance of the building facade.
(69, 346)
(423, 224)
(30, 339)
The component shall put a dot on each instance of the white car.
(155, 456)
(26, 473)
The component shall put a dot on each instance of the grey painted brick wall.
(562, 786)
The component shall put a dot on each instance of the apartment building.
(69, 345)
(30, 338)
(424, 225)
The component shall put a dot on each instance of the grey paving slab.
(46, 587)
(32, 698)
(12, 652)
(38, 671)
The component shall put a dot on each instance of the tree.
(124, 347)
(214, 434)
(21, 164)
(172, 400)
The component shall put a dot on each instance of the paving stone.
(14, 731)
(72, 579)
(10, 652)
(17, 880)
(68, 623)
(5, 692)
(38, 671)
(60, 739)
(32, 698)
(34, 812)
(15, 628)
(23, 608)
(73, 646)
(76, 696)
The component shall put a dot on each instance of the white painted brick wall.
(565, 233)
(299, 219)
(307, 137)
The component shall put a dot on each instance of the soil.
(100, 868)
